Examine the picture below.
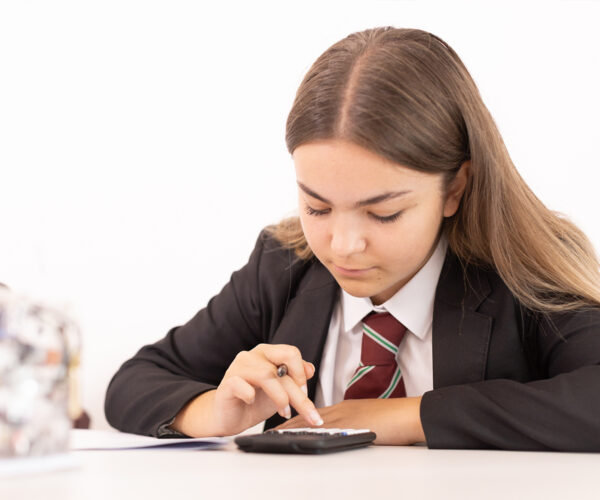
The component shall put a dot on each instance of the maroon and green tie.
(378, 374)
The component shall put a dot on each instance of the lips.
(351, 272)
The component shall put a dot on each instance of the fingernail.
(304, 390)
(287, 412)
(315, 417)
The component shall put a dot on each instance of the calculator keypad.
(304, 431)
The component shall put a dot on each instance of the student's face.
(372, 223)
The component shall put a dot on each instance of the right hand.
(251, 392)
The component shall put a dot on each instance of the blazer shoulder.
(279, 271)
(481, 288)
(275, 259)
(273, 278)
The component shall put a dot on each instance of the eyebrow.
(369, 201)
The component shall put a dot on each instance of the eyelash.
(389, 218)
(384, 220)
(312, 211)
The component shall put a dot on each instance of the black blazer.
(503, 377)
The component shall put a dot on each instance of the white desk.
(400, 472)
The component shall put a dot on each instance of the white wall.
(142, 142)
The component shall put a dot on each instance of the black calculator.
(306, 440)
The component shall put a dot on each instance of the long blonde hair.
(406, 95)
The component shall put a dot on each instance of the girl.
(411, 208)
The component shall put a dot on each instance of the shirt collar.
(412, 305)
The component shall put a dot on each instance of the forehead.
(344, 167)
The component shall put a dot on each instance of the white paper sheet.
(113, 440)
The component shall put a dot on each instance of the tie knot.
(382, 334)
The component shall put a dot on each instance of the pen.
(282, 370)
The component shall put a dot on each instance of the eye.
(311, 211)
(387, 218)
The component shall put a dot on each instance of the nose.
(346, 238)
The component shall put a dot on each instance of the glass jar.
(39, 349)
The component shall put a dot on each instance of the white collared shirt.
(412, 305)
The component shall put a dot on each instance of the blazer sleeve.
(559, 411)
(150, 389)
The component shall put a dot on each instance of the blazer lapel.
(460, 334)
(305, 323)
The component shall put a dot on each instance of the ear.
(456, 189)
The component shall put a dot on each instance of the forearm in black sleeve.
(561, 412)
(150, 389)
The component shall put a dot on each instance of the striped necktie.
(378, 374)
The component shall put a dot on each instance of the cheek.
(412, 237)
(313, 231)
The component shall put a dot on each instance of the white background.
(142, 142)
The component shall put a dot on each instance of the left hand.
(396, 421)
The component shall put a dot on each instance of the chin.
(356, 290)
